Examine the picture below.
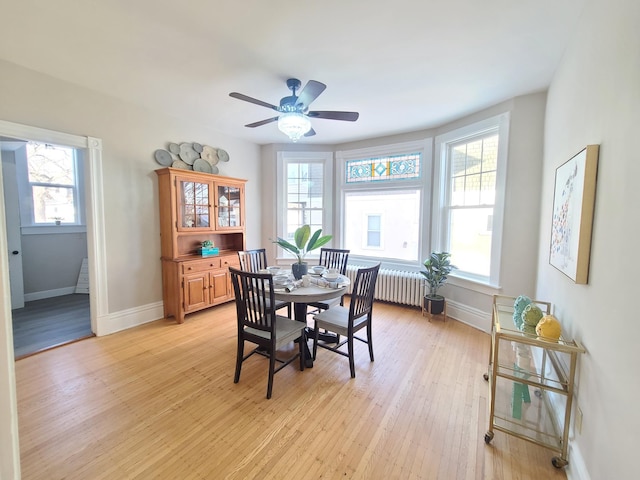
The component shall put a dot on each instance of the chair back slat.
(334, 258)
(362, 292)
(254, 294)
(253, 260)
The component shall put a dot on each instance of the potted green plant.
(207, 249)
(438, 267)
(304, 243)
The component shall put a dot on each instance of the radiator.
(395, 286)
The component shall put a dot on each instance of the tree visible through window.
(52, 180)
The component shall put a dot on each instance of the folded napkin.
(323, 282)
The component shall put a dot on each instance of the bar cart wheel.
(488, 437)
(559, 462)
(485, 376)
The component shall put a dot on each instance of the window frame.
(440, 237)
(423, 184)
(27, 215)
(284, 159)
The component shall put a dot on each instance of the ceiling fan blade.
(309, 93)
(262, 122)
(310, 133)
(240, 96)
(346, 116)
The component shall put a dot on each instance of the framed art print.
(573, 205)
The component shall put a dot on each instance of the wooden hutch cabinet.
(194, 207)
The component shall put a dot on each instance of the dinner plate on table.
(330, 278)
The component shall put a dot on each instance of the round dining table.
(301, 296)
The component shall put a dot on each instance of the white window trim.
(425, 146)
(29, 227)
(283, 159)
(499, 123)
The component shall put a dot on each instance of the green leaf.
(287, 246)
(320, 241)
(302, 235)
(314, 238)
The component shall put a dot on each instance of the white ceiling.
(405, 65)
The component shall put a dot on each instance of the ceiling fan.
(294, 114)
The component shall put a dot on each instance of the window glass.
(51, 172)
(374, 234)
(391, 167)
(304, 185)
(469, 217)
(382, 202)
(383, 223)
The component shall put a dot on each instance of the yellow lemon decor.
(549, 328)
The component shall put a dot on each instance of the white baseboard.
(58, 292)
(577, 469)
(471, 316)
(115, 322)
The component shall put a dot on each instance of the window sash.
(485, 206)
(49, 202)
(392, 184)
(304, 194)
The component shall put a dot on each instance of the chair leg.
(316, 334)
(370, 340)
(289, 310)
(272, 367)
(352, 363)
(303, 356)
(239, 356)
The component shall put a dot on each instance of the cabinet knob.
(189, 268)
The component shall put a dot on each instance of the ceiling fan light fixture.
(293, 124)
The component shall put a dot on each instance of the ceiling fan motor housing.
(288, 104)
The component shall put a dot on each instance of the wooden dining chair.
(347, 321)
(261, 325)
(331, 258)
(254, 261)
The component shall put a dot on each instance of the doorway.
(96, 253)
(47, 239)
(91, 149)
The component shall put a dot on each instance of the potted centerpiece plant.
(304, 243)
(437, 269)
(207, 249)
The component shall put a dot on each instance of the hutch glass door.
(195, 205)
(229, 206)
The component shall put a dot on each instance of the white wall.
(595, 99)
(130, 135)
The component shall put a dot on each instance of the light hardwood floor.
(158, 401)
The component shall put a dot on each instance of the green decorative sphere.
(518, 306)
(531, 315)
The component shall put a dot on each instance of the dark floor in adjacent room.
(50, 322)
